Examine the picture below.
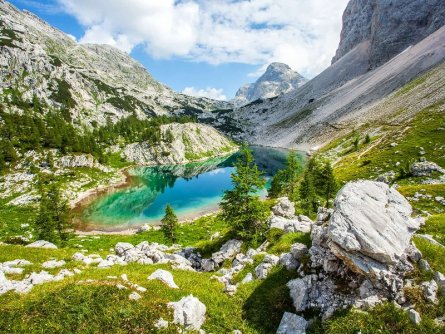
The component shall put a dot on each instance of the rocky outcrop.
(292, 324)
(389, 26)
(189, 312)
(364, 245)
(425, 168)
(278, 79)
(188, 142)
(283, 217)
(42, 244)
(371, 226)
(165, 277)
(73, 161)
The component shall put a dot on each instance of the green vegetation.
(241, 206)
(169, 224)
(285, 181)
(53, 222)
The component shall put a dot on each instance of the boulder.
(40, 278)
(371, 226)
(299, 250)
(122, 247)
(292, 324)
(134, 296)
(430, 291)
(287, 260)
(299, 292)
(425, 168)
(42, 244)
(440, 280)
(105, 264)
(143, 228)
(53, 264)
(290, 225)
(165, 277)
(262, 270)
(227, 251)
(189, 312)
(284, 208)
(247, 279)
(414, 316)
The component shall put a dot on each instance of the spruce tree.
(330, 185)
(241, 206)
(307, 193)
(285, 181)
(170, 224)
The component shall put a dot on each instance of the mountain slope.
(278, 79)
(94, 82)
(342, 96)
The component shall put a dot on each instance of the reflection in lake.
(191, 190)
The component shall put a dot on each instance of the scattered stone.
(42, 244)
(134, 296)
(284, 208)
(287, 260)
(262, 270)
(189, 312)
(105, 264)
(299, 250)
(165, 277)
(430, 291)
(247, 279)
(122, 247)
(53, 264)
(440, 280)
(144, 228)
(424, 265)
(40, 278)
(414, 316)
(292, 324)
(161, 323)
(227, 251)
(425, 168)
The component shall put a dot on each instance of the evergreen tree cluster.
(53, 222)
(317, 186)
(285, 182)
(241, 206)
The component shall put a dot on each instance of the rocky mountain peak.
(278, 79)
(388, 26)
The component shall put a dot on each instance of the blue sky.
(204, 47)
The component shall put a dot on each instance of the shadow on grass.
(266, 305)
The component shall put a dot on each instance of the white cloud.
(209, 92)
(302, 33)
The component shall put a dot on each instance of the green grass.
(422, 131)
(424, 204)
(281, 242)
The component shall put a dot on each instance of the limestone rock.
(284, 208)
(440, 280)
(134, 296)
(227, 251)
(165, 277)
(42, 244)
(53, 264)
(425, 168)
(430, 291)
(299, 250)
(371, 226)
(292, 324)
(189, 312)
(414, 316)
(247, 279)
(122, 247)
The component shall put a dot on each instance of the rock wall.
(389, 26)
(191, 142)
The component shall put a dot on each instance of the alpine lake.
(192, 190)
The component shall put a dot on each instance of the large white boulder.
(53, 264)
(284, 208)
(371, 226)
(42, 244)
(165, 277)
(189, 312)
(292, 324)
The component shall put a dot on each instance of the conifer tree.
(241, 206)
(170, 224)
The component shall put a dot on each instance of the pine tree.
(53, 222)
(170, 224)
(329, 182)
(241, 206)
(307, 193)
(285, 181)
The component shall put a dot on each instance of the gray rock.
(42, 244)
(208, 265)
(134, 296)
(292, 324)
(424, 265)
(262, 270)
(425, 168)
(440, 280)
(414, 316)
(105, 264)
(299, 292)
(165, 277)
(284, 208)
(227, 251)
(40, 278)
(371, 226)
(299, 250)
(430, 291)
(288, 260)
(53, 264)
(290, 225)
(189, 312)
(247, 279)
(161, 323)
(122, 247)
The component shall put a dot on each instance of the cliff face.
(278, 79)
(389, 26)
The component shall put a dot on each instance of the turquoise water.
(191, 190)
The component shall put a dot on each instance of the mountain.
(388, 27)
(278, 79)
(94, 82)
(348, 93)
